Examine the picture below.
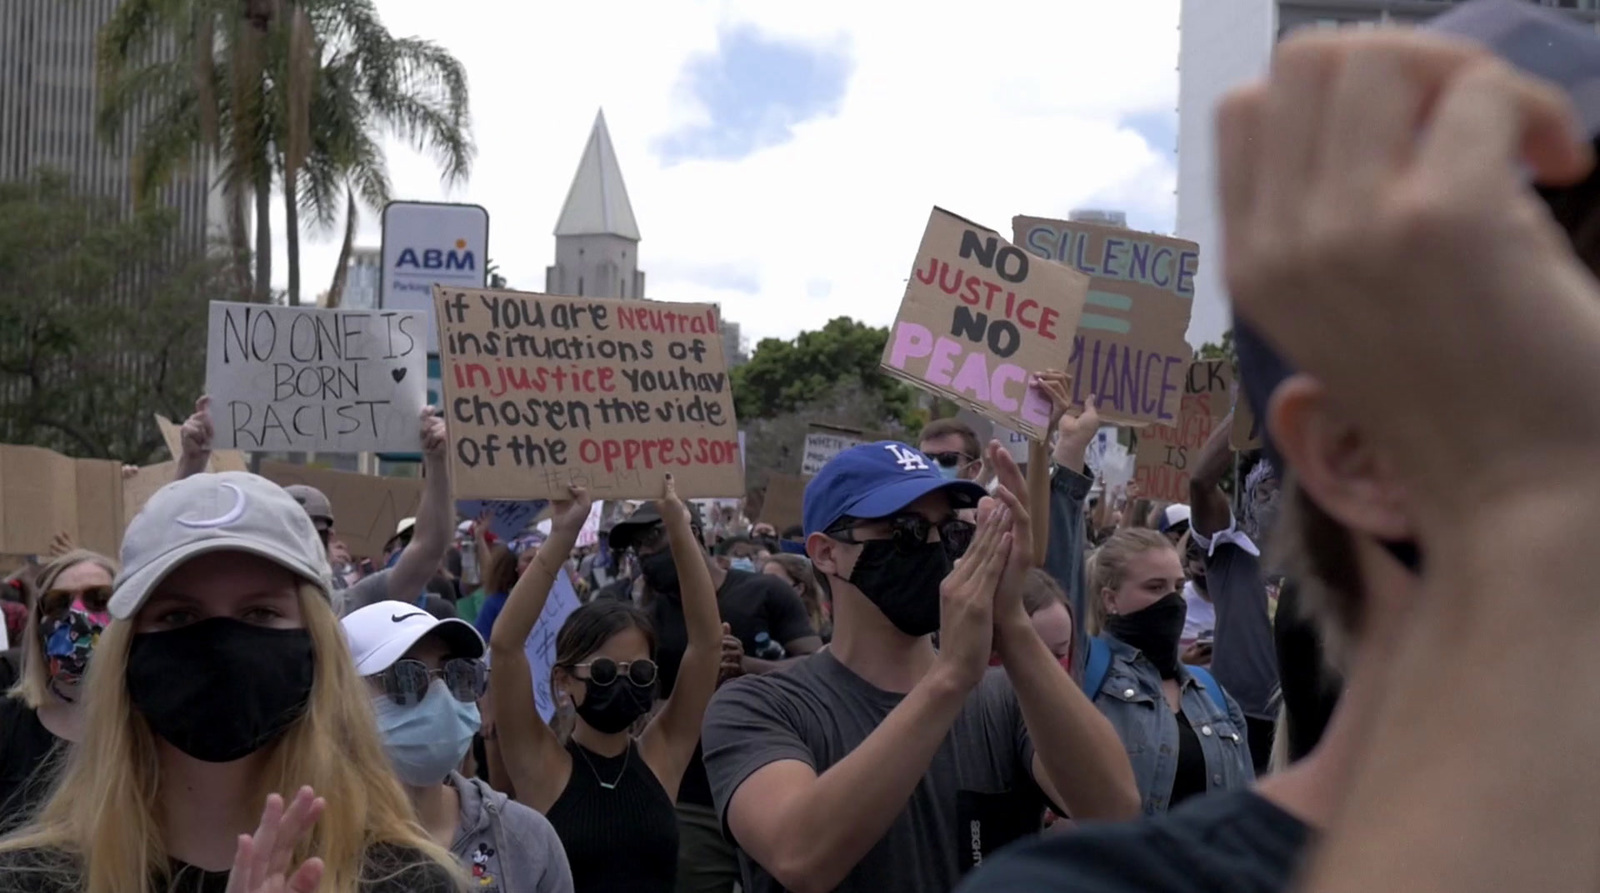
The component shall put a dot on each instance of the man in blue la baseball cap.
(883, 762)
(887, 498)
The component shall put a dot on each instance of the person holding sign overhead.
(407, 579)
(608, 795)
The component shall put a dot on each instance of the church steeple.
(597, 238)
(597, 203)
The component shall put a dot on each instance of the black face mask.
(221, 689)
(660, 572)
(1155, 631)
(905, 587)
(612, 708)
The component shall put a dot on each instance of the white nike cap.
(231, 511)
(382, 632)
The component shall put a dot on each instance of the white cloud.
(1011, 110)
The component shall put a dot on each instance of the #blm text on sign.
(979, 318)
(1129, 347)
(542, 393)
(1166, 454)
(304, 379)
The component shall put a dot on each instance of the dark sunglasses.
(909, 532)
(406, 682)
(56, 602)
(604, 671)
(950, 459)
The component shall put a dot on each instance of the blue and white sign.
(426, 243)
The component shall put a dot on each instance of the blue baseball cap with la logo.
(876, 480)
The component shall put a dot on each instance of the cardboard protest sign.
(784, 500)
(541, 645)
(43, 493)
(221, 460)
(823, 442)
(137, 489)
(979, 317)
(1129, 346)
(1166, 454)
(507, 517)
(305, 379)
(366, 508)
(544, 392)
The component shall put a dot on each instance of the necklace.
(626, 755)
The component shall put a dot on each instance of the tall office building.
(1224, 44)
(597, 239)
(47, 112)
(363, 271)
(47, 120)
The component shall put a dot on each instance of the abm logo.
(457, 258)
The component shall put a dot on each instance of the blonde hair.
(802, 574)
(33, 686)
(103, 816)
(1108, 565)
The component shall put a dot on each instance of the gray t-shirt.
(368, 590)
(1244, 655)
(977, 796)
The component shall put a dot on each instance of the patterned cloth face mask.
(71, 626)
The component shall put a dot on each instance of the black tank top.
(622, 839)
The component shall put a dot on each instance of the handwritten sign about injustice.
(981, 316)
(304, 379)
(542, 393)
(1167, 454)
(1129, 347)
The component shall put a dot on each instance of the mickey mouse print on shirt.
(484, 868)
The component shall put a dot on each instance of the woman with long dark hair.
(610, 796)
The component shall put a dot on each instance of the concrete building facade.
(1224, 44)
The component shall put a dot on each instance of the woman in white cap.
(44, 710)
(223, 682)
(426, 676)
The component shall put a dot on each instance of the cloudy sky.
(781, 157)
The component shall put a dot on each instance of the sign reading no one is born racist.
(979, 318)
(542, 393)
(1129, 347)
(304, 379)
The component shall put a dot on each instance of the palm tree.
(298, 90)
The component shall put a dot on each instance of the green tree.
(100, 327)
(784, 376)
(1223, 351)
(300, 90)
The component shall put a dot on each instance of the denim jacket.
(1132, 700)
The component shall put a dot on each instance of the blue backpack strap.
(1096, 667)
(1204, 677)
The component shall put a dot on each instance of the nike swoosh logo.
(399, 617)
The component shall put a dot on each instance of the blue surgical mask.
(949, 472)
(427, 740)
(742, 564)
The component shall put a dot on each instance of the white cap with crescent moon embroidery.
(230, 511)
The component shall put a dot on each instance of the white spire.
(597, 203)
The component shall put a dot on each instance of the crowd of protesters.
(907, 690)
